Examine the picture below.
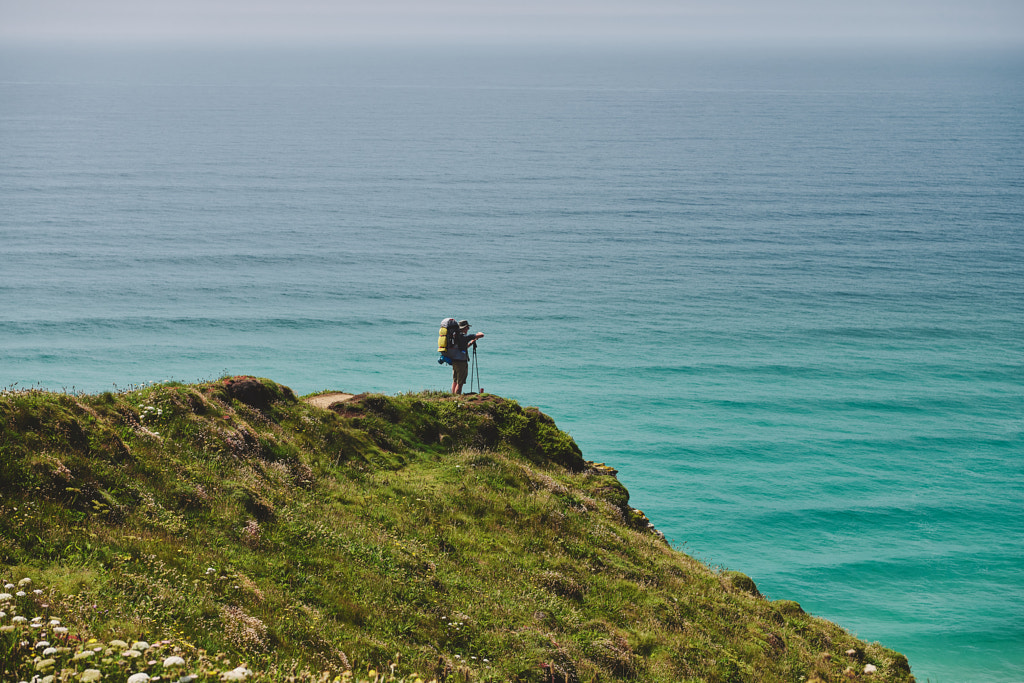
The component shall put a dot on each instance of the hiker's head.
(463, 325)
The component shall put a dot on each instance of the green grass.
(453, 538)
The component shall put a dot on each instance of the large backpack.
(446, 336)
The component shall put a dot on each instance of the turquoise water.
(783, 294)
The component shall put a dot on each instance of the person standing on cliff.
(460, 356)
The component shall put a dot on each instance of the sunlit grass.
(466, 539)
(36, 648)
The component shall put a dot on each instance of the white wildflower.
(20, 594)
(60, 629)
(84, 654)
(140, 645)
(173, 660)
(131, 653)
(8, 586)
(6, 597)
(25, 582)
(54, 622)
(90, 676)
(119, 644)
(237, 674)
(870, 668)
(49, 651)
(42, 643)
(140, 677)
(19, 620)
(38, 591)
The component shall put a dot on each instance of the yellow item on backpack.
(445, 337)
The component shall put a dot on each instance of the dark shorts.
(460, 371)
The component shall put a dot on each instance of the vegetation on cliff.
(248, 534)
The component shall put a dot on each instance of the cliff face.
(463, 538)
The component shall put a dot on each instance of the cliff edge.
(253, 535)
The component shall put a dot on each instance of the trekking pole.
(476, 369)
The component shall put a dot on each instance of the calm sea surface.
(782, 294)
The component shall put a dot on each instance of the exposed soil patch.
(326, 400)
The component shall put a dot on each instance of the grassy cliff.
(229, 530)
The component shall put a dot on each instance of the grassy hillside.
(252, 535)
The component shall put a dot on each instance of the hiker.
(460, 355)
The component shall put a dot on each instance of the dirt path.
(325, 400)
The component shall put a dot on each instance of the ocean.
(781, 292)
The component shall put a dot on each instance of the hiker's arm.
(472, 340)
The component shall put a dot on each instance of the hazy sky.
(951, 22)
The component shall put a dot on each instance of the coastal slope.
(235, 526)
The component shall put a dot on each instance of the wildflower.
(61, 630)
(173, 660)
(237, 674)
(84, 654)
(140, 645)
(42, 643)
(90, 676)
(251, 533)
(6, 597)
(20, 594)
(210, 570)
(24, 583)
(133, 653)
(49, 651)
(119, 644)
(3, 615)
(870, 668)
(54, 622)
(140, 677)
(44, 664)
(19, 620)
(38, 591)
(8, 586)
